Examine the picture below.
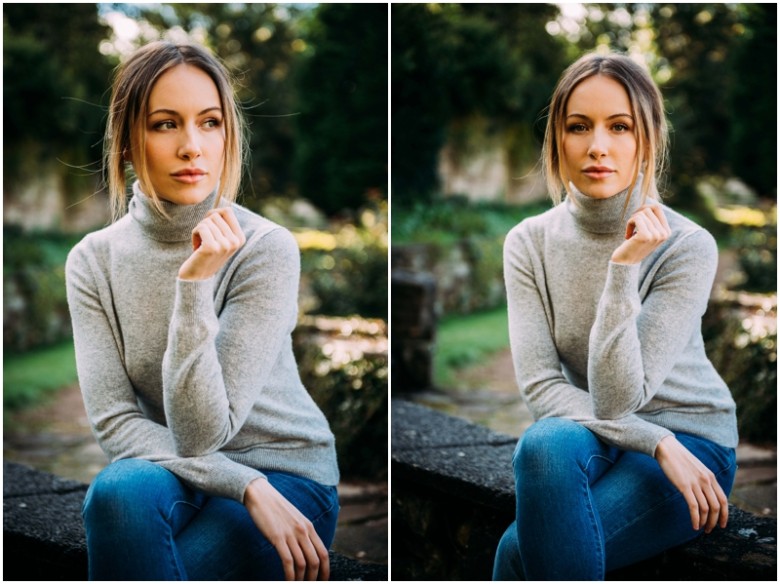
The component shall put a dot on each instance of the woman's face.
(599, 146)
(185, 135)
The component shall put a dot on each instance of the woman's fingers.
(646, 229)
(303, 555)
(706, 500)
(224, 229)
(214, 240)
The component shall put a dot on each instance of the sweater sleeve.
(218, 358)
(635, 342)
(538, 369)
(120, 427)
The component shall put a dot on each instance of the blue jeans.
(143, 523)
(585, 508)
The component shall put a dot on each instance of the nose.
(189, 148)
(598, 145)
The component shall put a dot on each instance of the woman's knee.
(550, 439)
(121, 488)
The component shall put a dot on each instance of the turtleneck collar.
(180, 220)
(604, 215)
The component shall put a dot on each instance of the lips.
(598, 172)
(189, 175)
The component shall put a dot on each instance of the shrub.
(343, 364)
(346, 270)
(740, 334)
(757, 249)
(35, 306)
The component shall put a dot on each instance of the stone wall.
(453, 496)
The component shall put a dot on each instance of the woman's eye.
(621, 128)
(578, 128)
(166, 125)
(212, 123)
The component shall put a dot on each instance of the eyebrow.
(608, 117)
(175, 113)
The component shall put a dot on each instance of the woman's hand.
(217, 237)
(707, 502)
(303, 554)
(646, 230)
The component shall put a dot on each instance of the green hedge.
(35, 306)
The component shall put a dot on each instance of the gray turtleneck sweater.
(615, 347)
(197, 376)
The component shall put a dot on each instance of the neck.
(604, 215)
(177, 223)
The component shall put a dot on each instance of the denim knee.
(119, 488)
(550, 440)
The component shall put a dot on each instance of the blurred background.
(470, 84)
(313, 81)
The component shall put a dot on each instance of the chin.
(188, 195)
(600, 191)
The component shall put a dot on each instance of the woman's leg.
(132, 512)
(558, 530)
(223, 543)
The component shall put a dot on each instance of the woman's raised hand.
(304, 556)
(707, 503)
(646, 230)
(217, 237)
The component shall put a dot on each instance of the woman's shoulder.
(687, 235)
(533, 227)
(264, 235)
(99, 242)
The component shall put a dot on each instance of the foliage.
(461, 244)
(347, 269)
(344, 366)
(757, 252)
(53, 85)
(753, 149)
(438, 77)
(466, 340)
(341, 147)
(740, 334)
(451, 219)
(35, 307)
(29, 378)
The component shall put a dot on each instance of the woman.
(222, 466)
(633, 450)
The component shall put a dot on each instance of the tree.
(54, 84)
(753, 101)
(341, 145)
(454, 61)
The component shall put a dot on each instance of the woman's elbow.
(606, 410)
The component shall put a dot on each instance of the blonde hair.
(650, 128)
(126, 128)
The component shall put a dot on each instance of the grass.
(466, 340)
(29, 378)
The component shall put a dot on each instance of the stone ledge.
(453, 496)
(43, 534)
